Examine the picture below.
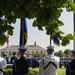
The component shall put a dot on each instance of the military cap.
(14, 53)
(73, 51)
(50, 47)
(4, 54)
(22, 49)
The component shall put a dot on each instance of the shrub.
(33, 71)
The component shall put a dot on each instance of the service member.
(6, 58)
(21, 66)
(70, 69)
(49, 63)
(3, 65)
(13, 58)
(35, 62)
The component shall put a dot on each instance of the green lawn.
(61, 71)
(34, 71)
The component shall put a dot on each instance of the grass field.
(34, 71)
(61, 71)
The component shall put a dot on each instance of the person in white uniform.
(50, 63)
(3, 64)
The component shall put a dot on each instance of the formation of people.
(34, 60)
(48, 64)
(70, 69)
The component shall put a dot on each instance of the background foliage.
(34, 71)
(45, 13)
(66, 53)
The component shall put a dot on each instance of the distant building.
(31, 50)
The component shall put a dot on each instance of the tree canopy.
(66, 53)
(45, 13)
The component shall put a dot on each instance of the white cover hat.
(50, 47)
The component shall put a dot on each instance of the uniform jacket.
(35, 63)
(51, 69)
(3, 64)
(14, 58)
(70, 69)
(21, 66)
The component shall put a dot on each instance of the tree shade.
(45, 13)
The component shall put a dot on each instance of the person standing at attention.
(6, 57)
(21, 66)
(13, 58)
(35, 62)
(50, 63)
(3, 64)
(70, 69)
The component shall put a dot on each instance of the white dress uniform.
(3, 64)
(50, 69)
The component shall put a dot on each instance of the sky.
(40, 37)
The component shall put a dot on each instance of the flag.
(23, 32)
(7, 40)
(56, 40)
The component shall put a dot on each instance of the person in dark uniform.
(6, 57)
(35, 62)
(21, 66)
(13, 58)
(70, 69)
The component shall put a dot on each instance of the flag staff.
(50, 39)
(7, 44)
(22, 32)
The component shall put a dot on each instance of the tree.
(39, 54)
(60, 53)
(68, 53)
(45, 13)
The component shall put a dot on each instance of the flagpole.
(50, 40)
(23, 32)
(7, 44)
(8, 51)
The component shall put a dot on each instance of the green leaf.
(45, 12)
